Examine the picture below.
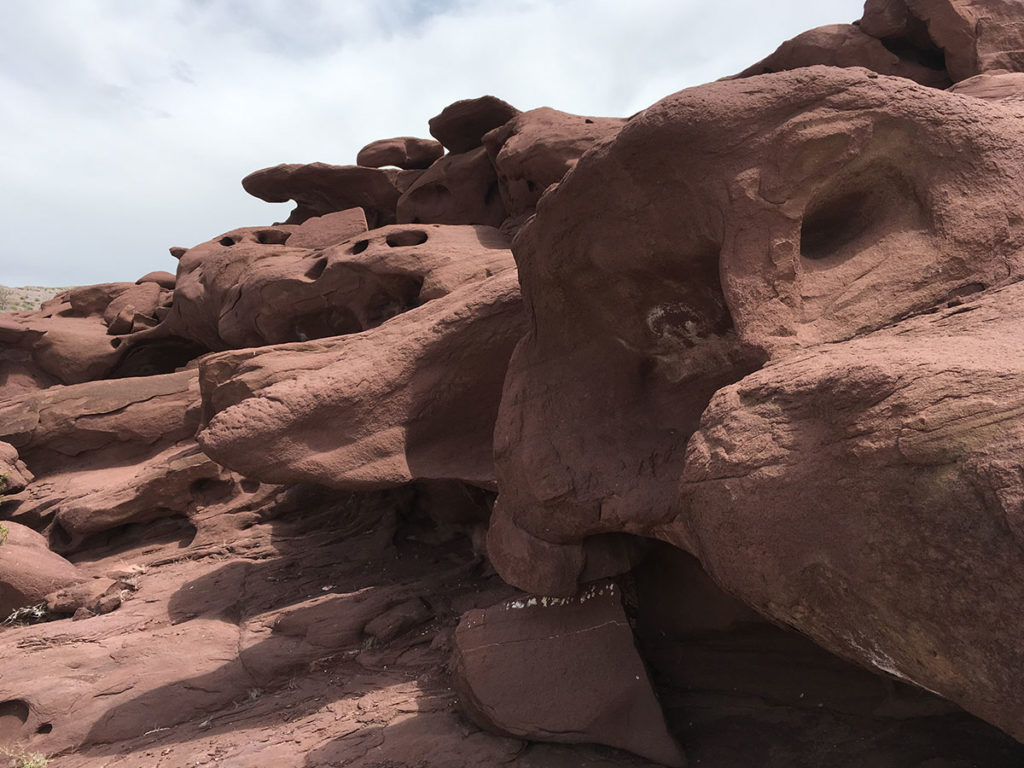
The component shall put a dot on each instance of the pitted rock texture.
(580, 652)
(461, 126)
(412, 399)
(250, 287)
(725, 225)
(405, 152)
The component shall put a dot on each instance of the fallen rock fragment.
(29, 571)
(563, 670)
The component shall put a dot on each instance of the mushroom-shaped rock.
(847, 45)
(406, 152)
(563, 670)
(536, 149)
(412, 399)
(163, 279)
(727, 224)
(457, 189)
(252, 287)
(318, 188)
(869, 494)
(461, 126)
(974, 36)
(29, 571)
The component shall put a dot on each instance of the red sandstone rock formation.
(771, 322)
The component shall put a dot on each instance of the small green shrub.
(4, 531)
(20, 759)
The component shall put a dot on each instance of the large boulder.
(726, 225)
(461, 126)
(536, 149)
(457, 189)
(869, 494)
(29, 571)
(14, 475)
(563, 670)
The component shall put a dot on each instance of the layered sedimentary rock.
(413, 399)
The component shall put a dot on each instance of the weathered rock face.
(319, 188)
(561, 670)
(29, 571)
(975, 35)
(457, 189)
(461, 126)
(868, 494)
(412, 399)
(807, 196)
(14, 475)
(404, 152)
(536, 149)
(847, 45)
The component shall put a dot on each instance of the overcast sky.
(126, 125)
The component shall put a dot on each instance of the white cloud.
(127, 126)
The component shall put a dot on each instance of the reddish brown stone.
(461, 126)
(318, 188)
(404, 152)
(457, 189)
(536, 149)
(563, 670)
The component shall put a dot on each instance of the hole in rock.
(45, 728)
(395, 296)
(13, 715)
(207, 490)
(317, 269)
(929, 56)
(249, 485)
(152, 358)
(226, 241)
(272, 236)
(173, 532)
(588, 121)
(739, 690)
(324, 323)
(360, 245)
(858, 210)
(406, 238)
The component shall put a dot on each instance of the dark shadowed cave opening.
(738, 690)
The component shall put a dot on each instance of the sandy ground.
(26, 297)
